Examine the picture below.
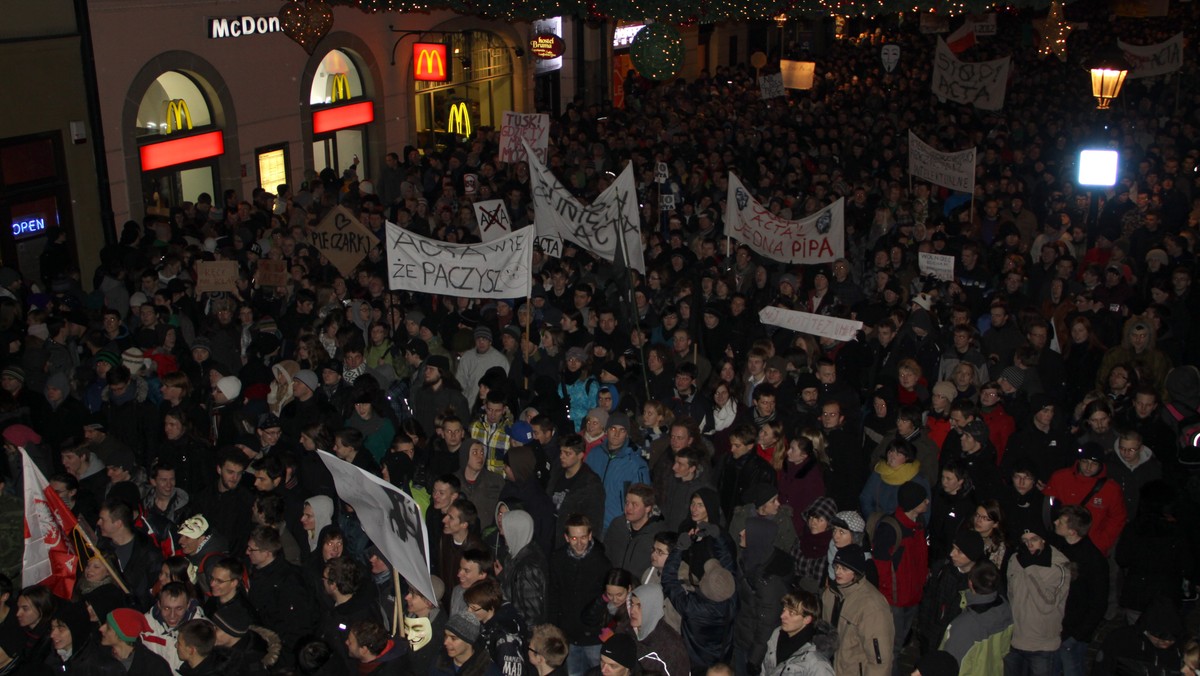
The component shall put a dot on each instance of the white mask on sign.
(891, 56)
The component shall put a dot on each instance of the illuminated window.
(337, 79)
(480, 76)
(272, 164)
(172, 103)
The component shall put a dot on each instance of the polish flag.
(962, 39)
(50, 559)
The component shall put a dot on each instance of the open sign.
(547, 46)
(28, 226)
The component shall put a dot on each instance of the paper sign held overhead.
(492, 217)
(214, 276)
(517, 129)
(806, 322)
(798, 74)
(342, 239)
(937, 265)
(271, 273)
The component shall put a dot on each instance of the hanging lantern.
(1108, 76)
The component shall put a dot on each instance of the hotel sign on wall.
(242, 26)
(429, 62)
(547, 46)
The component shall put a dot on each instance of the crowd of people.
(630, 473)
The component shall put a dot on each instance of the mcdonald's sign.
(178, 115)
(429, 62)
(460, 119)
(339, 87)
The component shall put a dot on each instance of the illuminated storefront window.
(478, 92)
(341, 113)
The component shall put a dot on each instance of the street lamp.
(1108, 75)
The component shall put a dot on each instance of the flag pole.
(398, 607)
(99, 554)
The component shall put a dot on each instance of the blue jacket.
(617, 471)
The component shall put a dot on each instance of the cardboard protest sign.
(797, 74)
(594, 226)
(517, 129)
(1151, 60)
(342, 239)
(819, 238)
(951, 170)
(771, 86)
(271, 273)
(981, 84)
(216, 276)
(937, 265)
(499, 269)
(806, 322)
(493, 220)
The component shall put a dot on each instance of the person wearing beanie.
(1087, 483)
(618, 465)
(619, 656)
(940, 603)
(860, 615)
(812, 545)
(436, 390)
(848, 528)
(475, 362)
(121, 633)
(305, 407)
(459, 657)
(901, 556)
(707, 611)
(1039, 580)
(227, 410)
(764, 504)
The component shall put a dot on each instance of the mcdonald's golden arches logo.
(178, 115)
(460, 119)
(339, 87)
(429, 62)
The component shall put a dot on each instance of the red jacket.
(904, 568)
(1000, 427)
(937, 427)
(1107, 506)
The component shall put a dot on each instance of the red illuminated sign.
(429, 62)
(182, 150)
(332, 119)
(547, 46)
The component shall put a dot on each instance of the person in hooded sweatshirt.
(706, 610)
(66, 414)
(521, 486)
(76, 651)
(523, 580)
(766, 574)
(660, 648)
(1152, 646)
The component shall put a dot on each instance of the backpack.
(1188, 439)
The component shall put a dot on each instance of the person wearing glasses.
(277, 590)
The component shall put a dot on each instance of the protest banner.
(984, 24)
(518, 129)
(771, 86)
(981, 84)
(342, 239)
(271, 272)
(551, 246)
(493, 220)
(806, 322)
(950, 170)
(797, 74)
(390, 518)
(1151, 60)
(819, 238)
(499, 269)
(216, 276)
(594, 226)
(937, 265)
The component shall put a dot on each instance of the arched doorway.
(341, 113)
(179, 142)
(477, 93)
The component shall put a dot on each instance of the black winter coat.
(574, 583)
(278, 595)
(760, 601)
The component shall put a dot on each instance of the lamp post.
(1108, 75)
(781, 21)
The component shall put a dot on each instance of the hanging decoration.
(1053, 31)
(306, 22)
(657, 51)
